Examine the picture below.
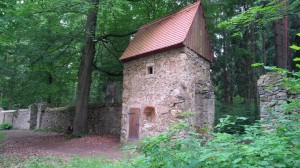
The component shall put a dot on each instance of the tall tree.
(281, 38)
(85, 71)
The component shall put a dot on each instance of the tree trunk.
(253, 73)
(225, 85)
(49, 82)
(84, 80)
(280, 62)
(282, 41)
(285, 48)
(232, 83)
(263, 48)
(285, 38)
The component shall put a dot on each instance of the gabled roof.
(168, 32)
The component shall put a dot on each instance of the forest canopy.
(42, 43)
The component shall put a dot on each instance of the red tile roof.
(165, 33)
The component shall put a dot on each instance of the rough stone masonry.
(180, 82)
(272, 96)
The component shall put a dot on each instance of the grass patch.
(2, 136)
(54, 162)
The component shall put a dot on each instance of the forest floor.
(25, 144)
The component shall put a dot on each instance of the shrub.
(231, 125)
(6, 126)
(255, 148)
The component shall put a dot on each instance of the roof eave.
(152, 52)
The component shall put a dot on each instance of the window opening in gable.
(150, 70)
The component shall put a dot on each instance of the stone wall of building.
(272, 95)
(180, 83)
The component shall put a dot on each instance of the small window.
(150, 70)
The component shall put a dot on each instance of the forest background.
(42, 44)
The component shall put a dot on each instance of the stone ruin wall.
(272, 95)
(102, 119)
(105, 119)
(20, 118)
(56, 119)
(180, 83)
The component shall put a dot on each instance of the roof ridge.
(172, 14)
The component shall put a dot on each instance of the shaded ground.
(25, 143)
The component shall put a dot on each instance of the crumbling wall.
(7, 116)
(272, 96)
(55, 119)
(21, 119)
(102, 119)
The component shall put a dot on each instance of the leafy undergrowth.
(6, 126)
(279, 147)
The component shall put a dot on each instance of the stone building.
(167, 72)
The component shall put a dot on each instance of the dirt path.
(25, 143)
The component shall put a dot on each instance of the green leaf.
(264, 163)
(295, 47)
(296, 59)
(295, 141)
(298, 34)
(257, 64)
(242, 118)
(237, 160)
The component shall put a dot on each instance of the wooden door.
(134, 115)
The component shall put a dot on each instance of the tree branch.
(101, 38)
(110, 73)
(111, 52)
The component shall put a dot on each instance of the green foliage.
(2, 136)
(6, 126)
(41, 45)
(231, 125)
(261, 15)
(255, 148)
(53, 162)
(239, 108)
(295, 47)
(257, 64)
(169, 149)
